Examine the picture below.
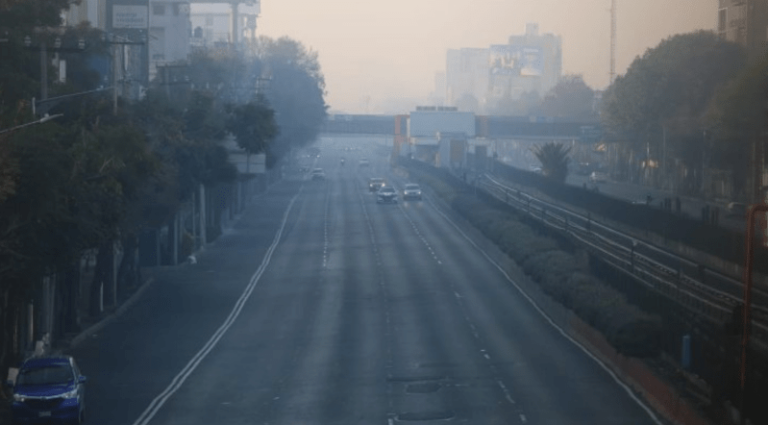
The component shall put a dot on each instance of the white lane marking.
(182, 376)
(326, 242)
(523, 418)
(418, 233)
(390, 421)
(562, 332)
(504, 389)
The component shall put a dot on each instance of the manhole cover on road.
(422, 387)
(425, 416)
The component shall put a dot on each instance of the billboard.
(515, 60)
(129, 16)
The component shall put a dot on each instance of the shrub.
(552, 264)
(521, 243)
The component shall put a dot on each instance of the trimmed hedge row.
(631, 331)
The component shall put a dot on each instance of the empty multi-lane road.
(322, 307)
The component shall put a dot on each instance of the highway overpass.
(493, 127)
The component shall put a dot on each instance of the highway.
(322, 307)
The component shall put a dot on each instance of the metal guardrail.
(700, 290)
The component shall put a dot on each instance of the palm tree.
(554, 160)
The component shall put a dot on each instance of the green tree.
(529, 103)
(571, 97)
(658, 106)
(296, 93)
(253, 125)
(554, 160)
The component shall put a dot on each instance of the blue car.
(49, 390)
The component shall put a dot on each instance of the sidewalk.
(690, 206)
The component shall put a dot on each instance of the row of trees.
(571, 97)
(92, 177)
(690, 106)
(694, 103)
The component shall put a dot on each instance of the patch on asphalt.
(436, 415)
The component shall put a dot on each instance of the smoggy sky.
(373, 52)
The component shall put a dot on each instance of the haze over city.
(379, 57)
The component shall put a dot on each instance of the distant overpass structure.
(491, 127)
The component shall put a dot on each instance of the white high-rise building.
(212, 22)
(169, 33)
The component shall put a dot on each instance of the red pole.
(753, 210)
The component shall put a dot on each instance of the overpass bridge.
(491, 127)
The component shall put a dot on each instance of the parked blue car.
(49, 390)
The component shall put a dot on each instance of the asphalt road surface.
(323, 307)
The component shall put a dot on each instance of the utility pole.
(43, 71)
(114, 79)
(612, 72)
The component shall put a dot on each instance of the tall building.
(745, 22)
(169, 33)
(466, 77)
(531, 62)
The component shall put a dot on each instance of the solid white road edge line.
(608, 370)
(182, 376)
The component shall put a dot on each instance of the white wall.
(169, 33)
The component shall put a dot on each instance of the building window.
(158, 9)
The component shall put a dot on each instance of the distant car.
(598, 177)
(49, 390)
(318, 174)
(412, 191)
(386, 195)
(375, 183)
(364, 162)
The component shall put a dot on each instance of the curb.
(82, 336)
